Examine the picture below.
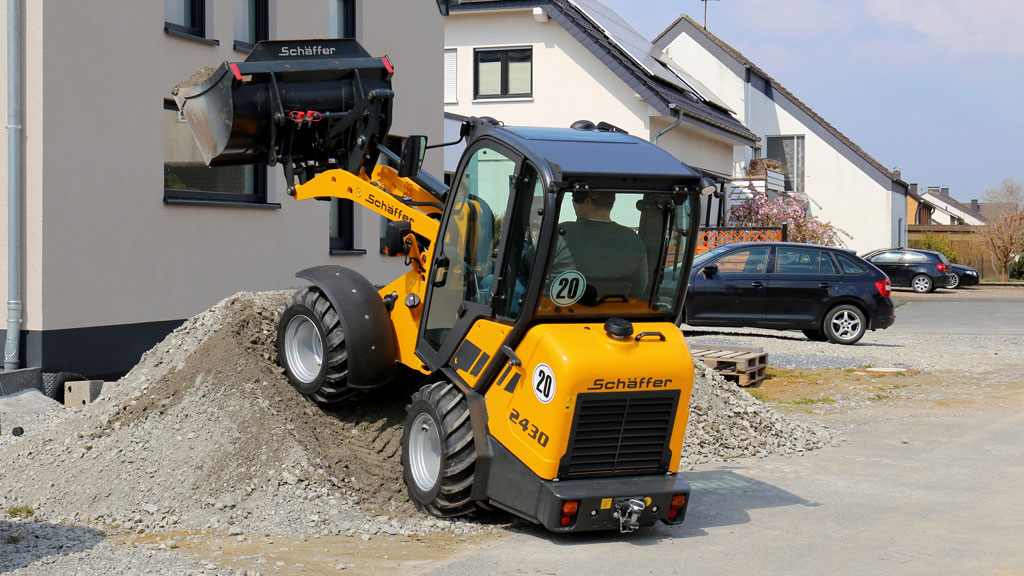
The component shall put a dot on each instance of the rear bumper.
(885, 314)
(514, 487)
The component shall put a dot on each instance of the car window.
(886, 257)
(827, 267)
(914, 257)
(849, 265)
(751, 260)
(796, 260)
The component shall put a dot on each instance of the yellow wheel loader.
(539, 311)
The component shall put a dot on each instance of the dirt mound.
(206, 433)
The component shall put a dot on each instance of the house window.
(788, 151)
(188, 180)
(252, 23)
(186, 18)
(450, 77)
(343, 18)
(503, 73)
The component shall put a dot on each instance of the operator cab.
(559, 225)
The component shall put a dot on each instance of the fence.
(708, 238)
(966, 241)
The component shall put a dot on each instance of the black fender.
(369, 335)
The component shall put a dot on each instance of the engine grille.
(616, 433)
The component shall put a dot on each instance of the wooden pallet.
(743, 365)
(748, 378)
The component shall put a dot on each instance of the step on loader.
(537, 311)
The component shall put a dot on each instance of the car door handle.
(824, 285)
(757, 284)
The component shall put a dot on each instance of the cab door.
(465, 263)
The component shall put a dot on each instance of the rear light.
(570, 507)
(941, 267)
(565, 521)
(884, 287)
(678, 500)
(676, 506)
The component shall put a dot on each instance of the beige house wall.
(101, 247)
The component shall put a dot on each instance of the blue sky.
(932, 87)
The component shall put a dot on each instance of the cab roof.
(574, 154)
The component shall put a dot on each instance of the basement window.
(503, 73)
(188, 180)
(186, 19)
(252, 23)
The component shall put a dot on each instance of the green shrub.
(1017, 268)
(934, 242)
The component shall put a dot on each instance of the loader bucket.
(308, 104)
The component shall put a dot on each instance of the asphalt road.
(904, 497)
(960, 317)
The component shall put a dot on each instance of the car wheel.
(816, 335)
(845, 324)
(922, 284)
(953, 282)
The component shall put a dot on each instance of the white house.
(554, 62)
(839, 181)
(119, 243)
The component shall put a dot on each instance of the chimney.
(896, 174)
(913, 188)
(944, 191)
(974, 206)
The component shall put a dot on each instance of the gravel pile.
(205, 433)
(727, 423)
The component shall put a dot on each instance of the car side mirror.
(412, 156)
(709, 270)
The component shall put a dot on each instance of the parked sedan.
(828, 293)
(962, 276)
(922, 270)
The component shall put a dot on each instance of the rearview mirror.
(412, 156)
(709, 270)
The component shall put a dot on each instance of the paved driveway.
(960, 317)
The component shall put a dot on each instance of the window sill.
(347, 252)
(187, 36)
(509, 99)
(243, 47)
(221, 203)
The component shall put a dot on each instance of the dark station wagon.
(828, 293)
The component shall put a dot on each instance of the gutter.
(14, 185)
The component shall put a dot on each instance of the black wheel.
(953, 282)
(845, 324)
(438, 455)
(922, 284)
(311, 348)
(816, 335)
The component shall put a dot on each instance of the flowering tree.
(760, 211)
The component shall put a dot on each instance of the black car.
(962, 276)
(922, 270)
(828, 293)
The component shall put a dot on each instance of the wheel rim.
(845, 325)
(954, 281)
(303, 348)
(922, 284)
(424, 452)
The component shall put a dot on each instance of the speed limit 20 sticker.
(543, 383)
(567, 288)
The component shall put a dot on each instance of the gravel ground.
(978, 356)
(205, 436)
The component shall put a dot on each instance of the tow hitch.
(627, 511)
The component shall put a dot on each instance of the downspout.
(679, 120)
(14, 74)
